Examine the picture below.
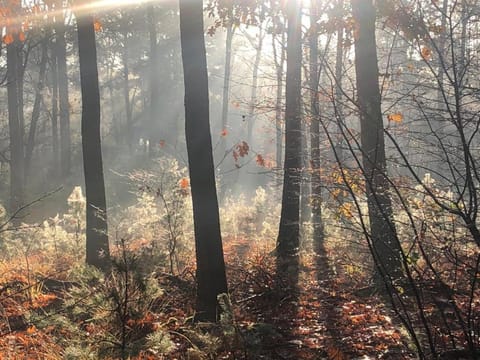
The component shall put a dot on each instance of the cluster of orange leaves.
(240, 150)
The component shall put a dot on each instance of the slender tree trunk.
(279, 62)
(226, 79)
(253, 94)
(462, 58)
(115, 126)
(126, 93)
(36, 107)
(20, 83)
(211, 278)
(54, 114)
(64, 106)
(289, 231)
(96, 228)
(338, 83)
(154, 82)
(386, 248)
(223, 148)
(316, 181)
(17, 168)
(442, 55)
(438, 123)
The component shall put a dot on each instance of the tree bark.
(36, 107)
(17, 168)
(211, 278)
(126, 91)
(154, 137)
(96, 228)
(279, 62)
(64, 106)
(289, 231)
(316, 181)
(55, 147)
(338, 85)
(226, 79)
(253, 94)
(385, 245)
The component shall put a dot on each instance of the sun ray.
(85, 7)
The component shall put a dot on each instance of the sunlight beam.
(87, 7)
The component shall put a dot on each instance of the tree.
(279, 65)
(96, 227)
(15, 123)
(338, 79)
(125, 30)
(211, 278)
(54, 113)
(289, 232)
(62, 78)
(36, 107)
(385, 245)
(316, 181)
(154, 80)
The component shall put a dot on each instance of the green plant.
(163, 212)
(115, 309)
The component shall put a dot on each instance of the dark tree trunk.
(17, 168)
(64, 106)
(211, 278)
(316, 181)
(289, 232)
(385, 245)
(96, 228)
(36, 107)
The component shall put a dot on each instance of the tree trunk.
(36, 107)
(17, 168)
(211, 278)
(289, 231)
(253, 93)
(54, 114)
(154, 82)
(279, 62)
(126, 92)
(338, 85)
(96, 228)
(316, 181)
(62, 76)
(385, 245)
(226, 80)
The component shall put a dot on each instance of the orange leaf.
(184, 183)
(21, 36)
(97, 25)
(426, 53)
(260, 160)
(8, 39)
(397, 117)
(224, 133)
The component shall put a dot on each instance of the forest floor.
(325, 317)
